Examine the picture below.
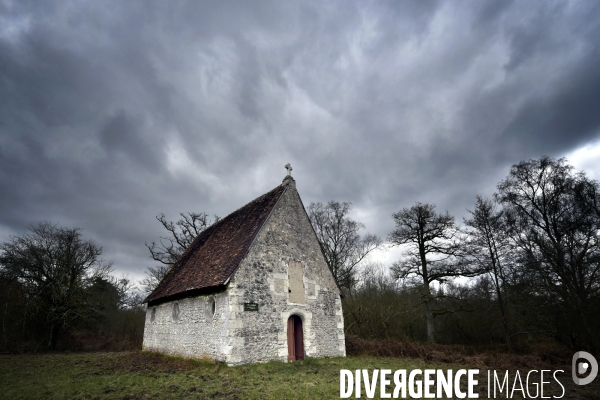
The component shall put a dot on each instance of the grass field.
(139, 375)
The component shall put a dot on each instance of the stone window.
(153, 314)
(175, 312)
(210, 309)
(296, 279)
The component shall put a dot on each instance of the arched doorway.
(295, 338)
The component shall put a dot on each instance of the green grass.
(139, 375)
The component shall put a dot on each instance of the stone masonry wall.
(192, 332)
(286, 239)
(285, 248)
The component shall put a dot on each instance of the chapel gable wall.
(284, 273)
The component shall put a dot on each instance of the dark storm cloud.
(113, 112)
(570, 115)
(122, 134)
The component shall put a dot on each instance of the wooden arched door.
(295, 338)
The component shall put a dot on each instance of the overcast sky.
(113, 112)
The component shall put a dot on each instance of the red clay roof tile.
(216, 253)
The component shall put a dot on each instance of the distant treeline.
(524, 268)
(532, 255)
(57, 293)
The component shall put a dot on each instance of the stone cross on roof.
(289, 169)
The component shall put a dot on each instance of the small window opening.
(153, 315)
(175, 311)
(210, 309)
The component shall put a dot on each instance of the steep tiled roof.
(217, 252)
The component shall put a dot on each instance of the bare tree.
(153, 277)
(433, 241)
(374, 308)
(338, 235)
(587, 193)
(555, 226)
(169, 248)
(489, 248)
(181, 235)
(128, 293)
(54, 266)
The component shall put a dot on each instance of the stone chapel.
(252, 287)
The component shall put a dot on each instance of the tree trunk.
(429, 314)
(501, 303)
(504, 322)
(429, 299)
(53, 336)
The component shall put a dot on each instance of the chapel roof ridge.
(216, 252)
